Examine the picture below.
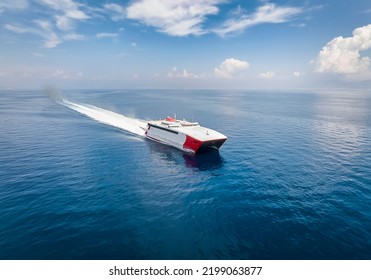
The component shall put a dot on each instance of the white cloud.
(73, 37)
(106, 35)
(268, 13)
(70, 12)
(230, 67)
(36, 54)
(44, 24)
(62, 74)
(116, 11)
(174, 17)
(68, 7)
(64, 22)
(298, 74)
(174, 73)
(76, 14)
(17, 29)
(51, 40)
(13, 5)
(343, 55)
(267, 75)
(299, 25)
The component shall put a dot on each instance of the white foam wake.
(132, 125)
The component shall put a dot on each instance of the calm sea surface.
(293, 180)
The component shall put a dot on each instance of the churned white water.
(132, 125)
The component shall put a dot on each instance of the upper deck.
(192, 129)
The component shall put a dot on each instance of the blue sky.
(217, 44)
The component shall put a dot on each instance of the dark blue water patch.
(293, 180)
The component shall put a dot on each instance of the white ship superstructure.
(184, 135)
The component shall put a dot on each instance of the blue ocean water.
(293, 180)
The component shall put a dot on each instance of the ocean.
(79, 181)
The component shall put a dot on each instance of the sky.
(200, 44)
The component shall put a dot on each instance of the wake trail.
(135, 126)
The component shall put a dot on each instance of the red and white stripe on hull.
(186, 136)
(195, 145)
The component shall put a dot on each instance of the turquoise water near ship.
(293, 180)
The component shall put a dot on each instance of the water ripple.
(293, 181)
